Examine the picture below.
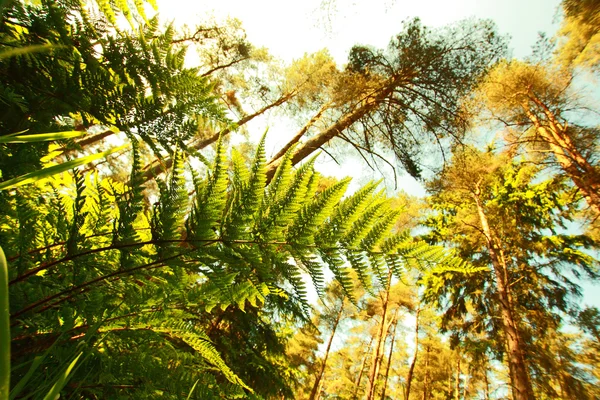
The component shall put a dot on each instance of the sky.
(289, 29)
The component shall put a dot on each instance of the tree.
(578, 36)
(503, 221)
(535, 98)
(386, 306)
(338, 308)
(407, 95)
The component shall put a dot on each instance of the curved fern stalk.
(4, 329)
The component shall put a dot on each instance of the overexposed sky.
(291, 28)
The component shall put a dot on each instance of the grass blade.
(4, 329)
(192, 390)
(55, 169)
(41, 137)
(54, 393)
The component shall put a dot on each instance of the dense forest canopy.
(150, 247)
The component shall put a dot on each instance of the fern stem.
(152, 265)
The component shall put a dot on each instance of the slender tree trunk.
(411, 370)
(583, 174)
(426, 381)
(302, 132)
(389, 361)
(374, 370)
(519, 377)
(159, 166)
(314, 394)
(486, 391)
(314, 143)
(457, 378)
(467, 383)
(362, 369)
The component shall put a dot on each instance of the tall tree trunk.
(314, 393)
(362, 369)
(159, 166)
(374, 370)
(486, 390)
(467, 384)
(307, 148)
(457, 377)
(426, 381)
(411, 370)
(519, 377)
(302, 132)
(389, 361)
(583, 174)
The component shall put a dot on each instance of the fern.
(155, 278)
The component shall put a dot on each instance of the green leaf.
(55, 169)
(54, 392)
(192, 390)
(42, 137)
(19, 51)
(4, 329)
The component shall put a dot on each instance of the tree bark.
(457, 378)
(389, 361)
(519, 376)
(411, 370)
(555, 134)
(314, 143)
(159, 166)
(374, 370)
(426, 381)
(302, 132)
(362, 369)
(486, 392)
(314, 393)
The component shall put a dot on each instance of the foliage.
(540, 264)
(578, 36)
(90, 252)
(94, 75)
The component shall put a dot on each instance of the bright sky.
(289, 29)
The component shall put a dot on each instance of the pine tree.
(501, 218)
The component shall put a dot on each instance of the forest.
(151, 245)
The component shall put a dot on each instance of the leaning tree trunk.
(157, 167)
(519, 377)
(555, 134)
(315, 389)
(315, 143)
